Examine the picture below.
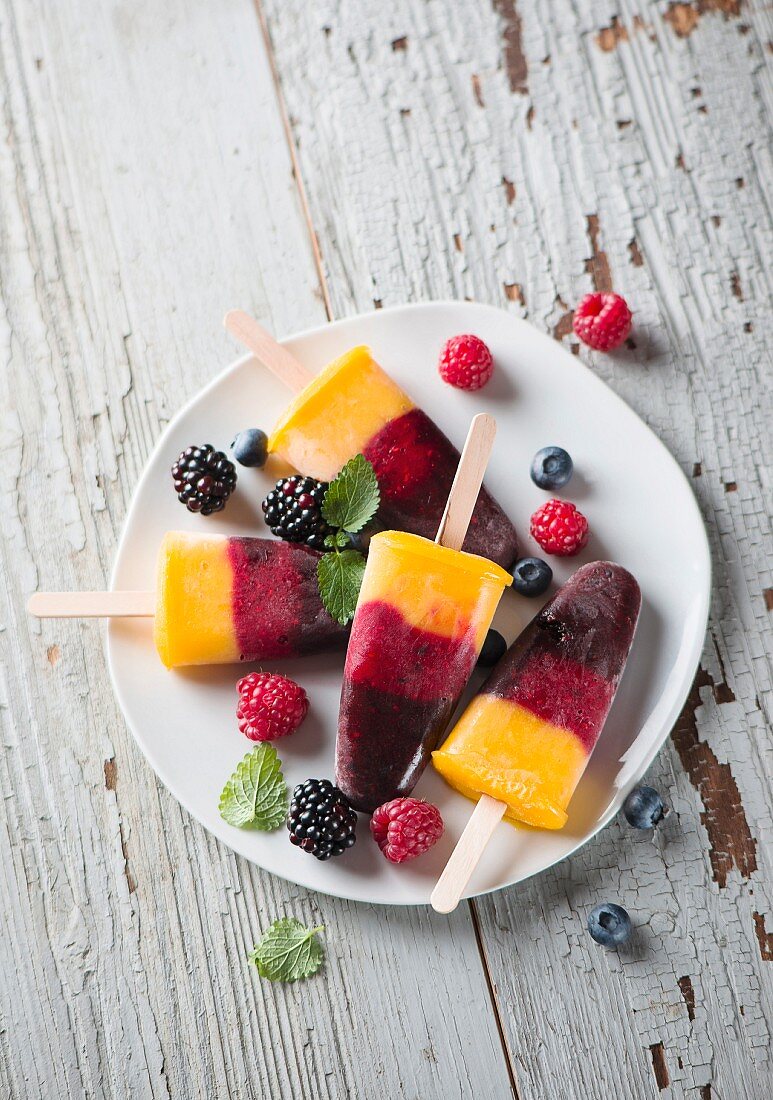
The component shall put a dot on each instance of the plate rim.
(668, 721)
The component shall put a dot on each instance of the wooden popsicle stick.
(264, 347)
(92, 605)
(453, 528)
(467, 482)
(466, 855)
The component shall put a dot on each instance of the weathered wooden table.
(162, 162)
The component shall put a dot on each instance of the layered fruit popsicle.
(526, 737)
(354, 407)
(222, 599)
(421, 619)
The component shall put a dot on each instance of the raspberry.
(406, 827)
(269, 706)
(465, 362)
(602, 321)
(559, 528)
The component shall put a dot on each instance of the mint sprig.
(351, 501)
(255, 797)
(340, 576)
(353, 497)
(288, 951)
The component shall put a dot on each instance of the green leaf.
(255, 796)
(288, 951)
(339, 576)
(337, 541)
(352, 498)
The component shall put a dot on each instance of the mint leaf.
(337, 541)
(352, 498)
(255, 796)
(339, 576)
(288, 951)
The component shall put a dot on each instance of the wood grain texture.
(145, 187)
(524, 155)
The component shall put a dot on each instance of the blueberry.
(531, 576)
(609, 924)
(494, 647)
(250, 447)
(643, 808)
(551, 468)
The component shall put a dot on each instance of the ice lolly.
(223, 599)
(353, 407)
(421, 619)
(526, 737)
(219, 599)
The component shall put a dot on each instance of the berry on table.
(531, 576)
(466, 362)
(609, 924)
(602, 320)
(293, 511)
(559, 528)
(250, 447)
(643, 808)
(269, 706)
(492, 649)
(320, 820)
(203, 479)
(405, 828)
(551, 468)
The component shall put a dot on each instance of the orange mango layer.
(502, 749)
(194, 619)
(446, 592)
(337, 415)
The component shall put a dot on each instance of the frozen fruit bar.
(354, 407)
(222, 599)
(526, 737)
(421, 619)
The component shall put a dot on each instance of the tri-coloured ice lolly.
(222, 599)
(526, 737)
(219, 599)
(421, 619)
(353, 407)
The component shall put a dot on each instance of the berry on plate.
(559, 528)
(269, 706)
(609, 924)
(203, 479)
(293, 511)
(551, 468)
(320, 820)
(531, 576)
(643, 808)
(493, 648)
(466, 362)
(250, 447)
(602, 321)
(405, 828)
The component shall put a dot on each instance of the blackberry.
(321, 821)
(203, 479)
(293, 511)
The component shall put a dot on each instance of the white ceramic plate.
(642, 514)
